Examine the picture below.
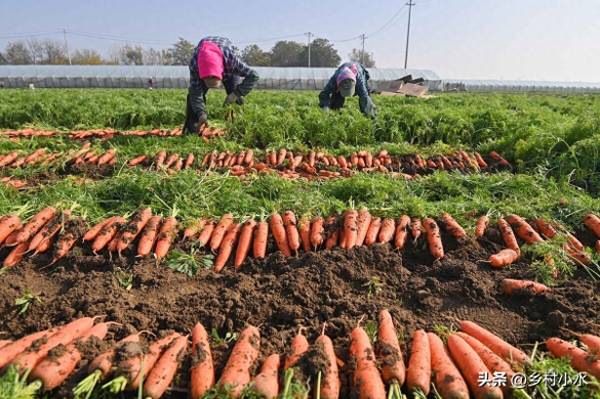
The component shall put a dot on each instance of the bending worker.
(215, 63)
(350, 79)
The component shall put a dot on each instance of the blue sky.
(488, 39)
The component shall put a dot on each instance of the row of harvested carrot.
(226, 237)
(106, 134)
(454, 368)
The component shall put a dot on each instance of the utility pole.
(67, 46)
(410, 5)
(362, 54)
(309, 34)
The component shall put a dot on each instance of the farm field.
(256, 224)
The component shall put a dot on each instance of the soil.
(279, 295)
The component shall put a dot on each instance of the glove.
(232, 98)
(201, 124)
(325, 109)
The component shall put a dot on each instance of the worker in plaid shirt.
(215, 63)
(350, 79)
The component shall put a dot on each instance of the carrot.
(504, 258)
(236, 373)
(137, 367)
(470, 365)
(592, 222)
(495, 343)
(416, 228)
(220, 230)
(35, 224)
(366, 378)
(168, 230)
(202, 373)
(592, 342)
(226, 247)
(281, 156)
(304, 231)
(137, 160)
(159, 160)
(278, 231)
(106, 157)
(164, 370)
(71, 331)
(373, 231)
(106, 234)
(266, 382)
(330, 387)
(401, 233)
(579, 359)
(8, 224)
(298, 348)
(363, 222)
(93, 232)
(482, 164)
(508, 236)
(386, 233)
(434, 239)
(248, 158)
(452, 227)
(206, 233)
(332, 232)
(16, 254)
(259, 243)
(67, 239)
(350, 228)
(5, 342)
(388, 350)
(341, 237)
(292, 235)
(524, 229)
(481, 226)
(50, 229)
(244, 243)
(418, 374)
(15, 348)
(148, 236)
(448, 381)
(104, 362)
(55, 369)
(492, 361)
(316, 232)
(193, 229)
(8, 159)
(134, 228)
(189, 161)
(510, 286)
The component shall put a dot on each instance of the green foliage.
(189, 262)
(13, 386)
(25, 301)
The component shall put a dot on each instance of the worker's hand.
(231, 98)
(202, 123)
(325, 109)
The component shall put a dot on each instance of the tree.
(357, 56)
(127, 55)
(158, 57)
(86, 57)
(286, 54)
(17, 53)
(322, 54)
(181, 52)
(255, 56)
(53, 53)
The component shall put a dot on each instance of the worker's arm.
(240, 68)
(328, 90)
(365, 102)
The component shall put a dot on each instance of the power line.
(389, 22)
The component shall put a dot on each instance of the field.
(474, 157)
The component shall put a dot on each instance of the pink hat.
(347, 72)
(210, 61)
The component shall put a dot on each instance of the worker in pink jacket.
(215, 64)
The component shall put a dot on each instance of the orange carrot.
(106, 157)
(189, 161)
(93, 232)
(330, 386)
(202, 373)
(373, 231)
(159, 160)
(65, 242)
(236, 373)
(388, 350)
(470, 365)
(592, 342)
(452, 227)
(46, 233)
(579, 359)
(35, 224)
(415, 228)
(332, 232)
(193, 229)
(244, 243)
(106, 234)
(226, 247)
(510, 286)
(524, 229)
(386, 233)
(137, 160)
(350, 228)
(16, 254)
(504, 258)
(366, 378)
(508, 236)
(401, 234)
(137, 367)
(316, 232)
(220, 230)
(448, 381)
(492, 361)
(495, 343)
(148, 236)
(278, 231)
(434, 239)
(266, 383)
(304, 231)
(164, 370)
(298, 348)
(104, 362)
(482, 224)
(292, 235)
(259, 243)
(54, 370)
(341, 237)
(592, 222)
(418, 374)
(135, 226)
(168, 231)
(8, 224)
(206, 233)
(363, 223)
(14, 349)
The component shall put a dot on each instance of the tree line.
(282, 54)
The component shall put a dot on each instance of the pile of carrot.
(104, 134)
(28, 133)
(92, 157)
(170, 162)
(14, 183)
(39, 157)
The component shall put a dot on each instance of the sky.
(557, 40)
